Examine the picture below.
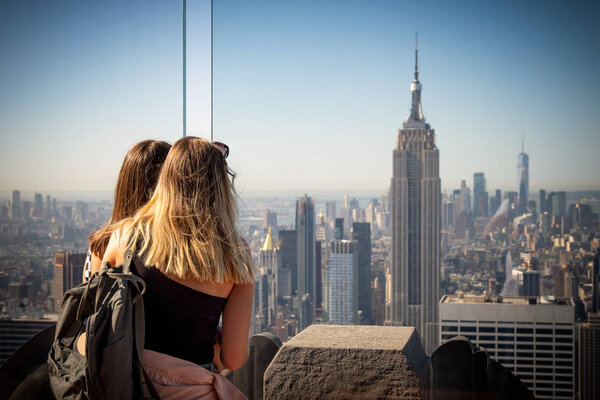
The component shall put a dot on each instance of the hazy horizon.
(107, 195)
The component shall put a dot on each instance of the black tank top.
(180, 321)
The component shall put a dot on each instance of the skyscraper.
(465, 197)
(305, 229)
(480, 195)
(361, 234)
(287, 275)
(270, 220)
(25, 209)
(529, 282)
(268, 261)
(68, 273)
(559, 204)
(318, 299)
(321, 233)
(39, 205)
(342, 301)
(448, 214)
(261, 301)
(415, 204)
(495, 202)
(16, 205)
(48, 206)
(543, 207)
(523, 172)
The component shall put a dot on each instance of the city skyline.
(82, 83)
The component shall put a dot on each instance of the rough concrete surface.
(349, 362)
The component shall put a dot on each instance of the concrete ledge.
(249, 378)
(349, 362)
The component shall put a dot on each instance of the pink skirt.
(174, 378)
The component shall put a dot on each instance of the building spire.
(269, 243)
(416, 111)
(416, 56)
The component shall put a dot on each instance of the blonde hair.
(187, 229)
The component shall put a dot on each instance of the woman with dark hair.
(135, 185)
(196, 266)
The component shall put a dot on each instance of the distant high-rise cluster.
(19, 209)
(320, 272)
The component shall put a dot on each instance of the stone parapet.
(349, 362)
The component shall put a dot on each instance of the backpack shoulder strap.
(127, 261)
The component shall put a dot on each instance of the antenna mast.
(184, 73)
(211, 72)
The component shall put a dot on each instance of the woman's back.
(187, 230)
(180, 321)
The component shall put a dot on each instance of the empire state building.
(415, 222)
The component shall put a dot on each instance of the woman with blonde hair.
(196, 266)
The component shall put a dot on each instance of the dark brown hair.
(136, 183)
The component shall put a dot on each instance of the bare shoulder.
(121, 233)
(117, 245)
(241, 293)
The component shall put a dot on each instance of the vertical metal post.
(184, 72)
(211, 72)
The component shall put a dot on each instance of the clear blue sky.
(308, 94)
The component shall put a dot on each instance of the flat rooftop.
(525, 301)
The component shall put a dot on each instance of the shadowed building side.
(68, 273)
(589, 358)
(361, 234)
(305, 229)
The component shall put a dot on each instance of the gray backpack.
(106, 316)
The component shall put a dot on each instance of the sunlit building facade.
(415, 204)
(532, 337)
(268, 261)
(342, 299)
